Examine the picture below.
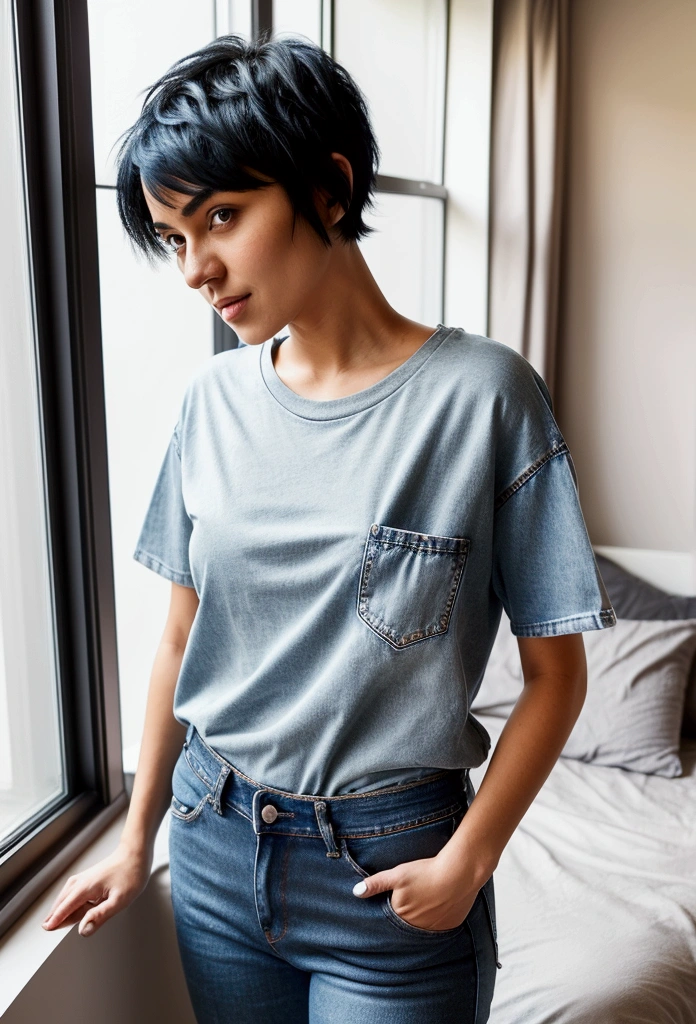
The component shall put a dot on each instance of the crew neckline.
(346, 405)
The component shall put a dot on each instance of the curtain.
(527, 177)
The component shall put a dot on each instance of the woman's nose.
(200, 266)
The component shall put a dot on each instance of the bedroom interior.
(597, 894)
(571, 238)
(596, 891)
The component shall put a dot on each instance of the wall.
(628, 343)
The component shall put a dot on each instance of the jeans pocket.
(369, 854)
(190, 793)
(433, 933)
(409, 583)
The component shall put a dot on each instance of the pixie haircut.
(279, 107)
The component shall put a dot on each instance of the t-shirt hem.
(569, 624)
(173, 575)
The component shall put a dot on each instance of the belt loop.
(326, 829)
(217, 792)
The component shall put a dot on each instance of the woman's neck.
(350, 337)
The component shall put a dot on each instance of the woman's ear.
(345, 166)
(334, 210)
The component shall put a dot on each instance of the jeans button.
(269, 814)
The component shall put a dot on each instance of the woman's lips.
(231, 312)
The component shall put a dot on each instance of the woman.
(342, 513)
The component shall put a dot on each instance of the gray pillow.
(637, 675)
(635, 598)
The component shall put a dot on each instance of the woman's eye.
(224, 216)
(174, 242)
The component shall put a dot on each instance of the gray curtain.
(528, 160)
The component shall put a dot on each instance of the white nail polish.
(359, 888)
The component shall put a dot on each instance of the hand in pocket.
(425, 893)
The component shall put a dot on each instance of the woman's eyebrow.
(188, 210)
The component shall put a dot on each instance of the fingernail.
(88, 929)
(359, 888)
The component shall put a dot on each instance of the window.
(405, 85)
(60, 754)
(32, 750)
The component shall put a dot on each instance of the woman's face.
(241, 244)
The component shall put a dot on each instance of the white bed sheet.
(596, 898)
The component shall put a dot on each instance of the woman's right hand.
(97, 893)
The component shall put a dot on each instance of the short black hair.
(276, 106)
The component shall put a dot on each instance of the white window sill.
(26, 946)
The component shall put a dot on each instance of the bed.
(596, 890)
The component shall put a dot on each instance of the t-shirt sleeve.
(163, 544)
(544, 569)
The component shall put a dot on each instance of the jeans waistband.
(375, 812)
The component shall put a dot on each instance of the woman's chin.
(257, 335)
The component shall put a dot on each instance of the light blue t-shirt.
(352, 557)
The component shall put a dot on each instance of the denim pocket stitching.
(193, 813)
(354, 864)
(431, 933)
(388, 536)
(190, 763)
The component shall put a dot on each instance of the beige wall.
(628, 364)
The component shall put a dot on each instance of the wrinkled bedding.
(596, 898)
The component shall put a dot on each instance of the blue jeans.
(267, 924)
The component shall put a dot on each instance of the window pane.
(32, 761)
(405, 253)
(395, 50)
(132, 43)
(298, 17)
(233, 16)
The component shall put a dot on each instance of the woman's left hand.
(425, 893)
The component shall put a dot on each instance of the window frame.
(53, 73)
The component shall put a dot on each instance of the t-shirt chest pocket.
(409, 583)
